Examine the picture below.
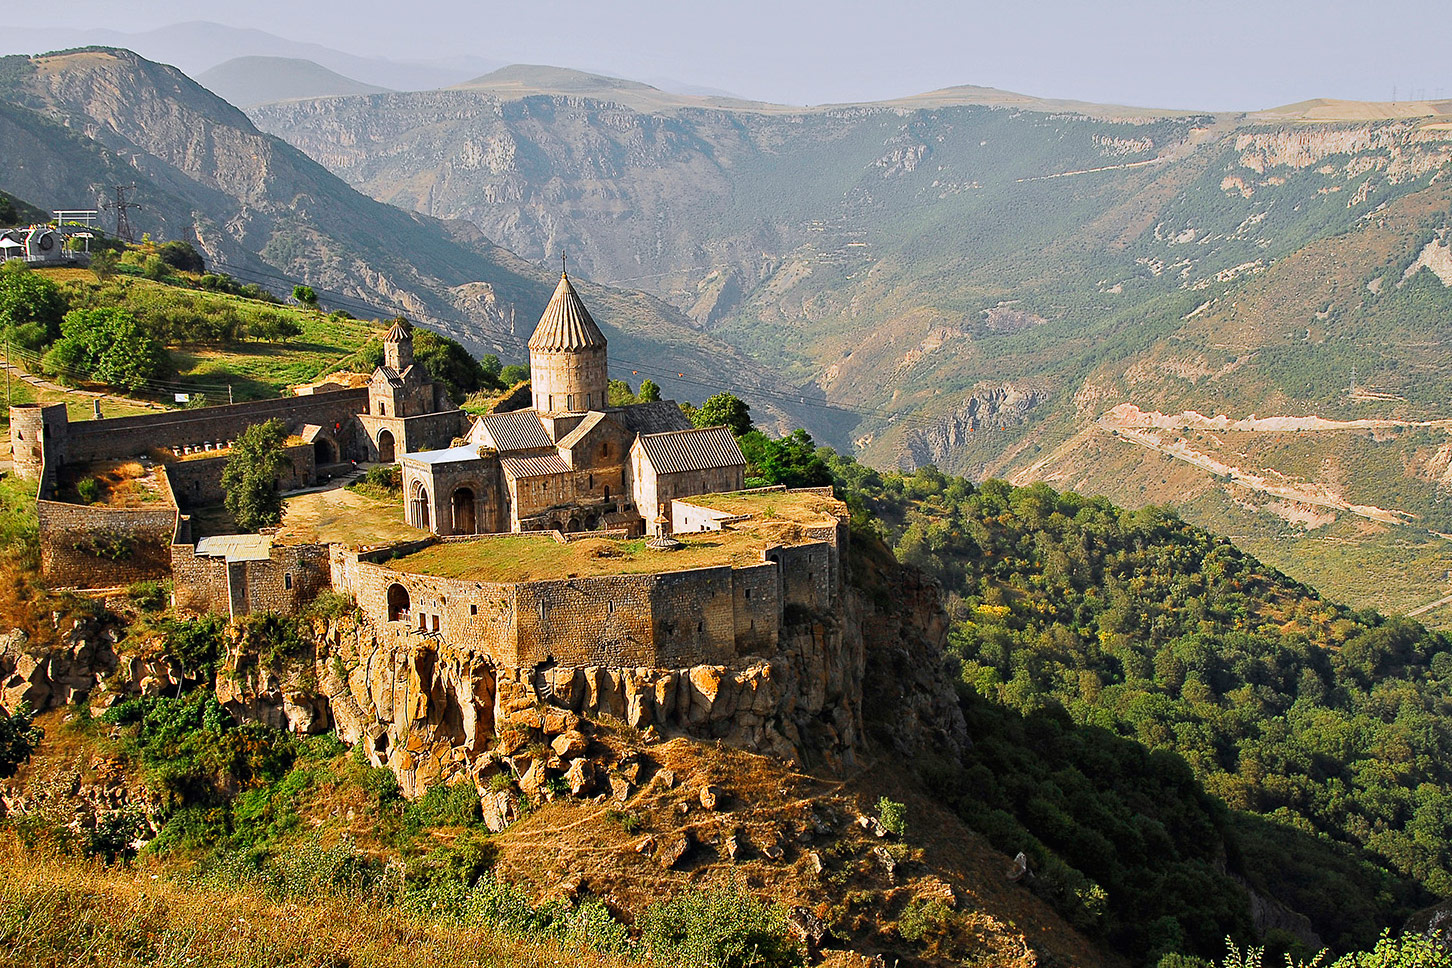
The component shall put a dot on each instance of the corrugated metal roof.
(692, 450)
(544, 465)
(511, 431)
(566, 323)
(656, 417)
(236, 547)
(449, 455)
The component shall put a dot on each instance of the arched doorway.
(385, 446)
(463, 507)
(420, 506)
(324, 452)
(573, 526)
(397, 603)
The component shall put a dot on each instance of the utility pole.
(120, 206)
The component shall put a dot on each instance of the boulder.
(581, 776)
(812, 930)
(620, 787)
(569, 745)
(674, 848)
(711, 796)
(497, 809)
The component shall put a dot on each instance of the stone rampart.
(197, 482)
(290, 578)
(118, 437)
(92, 546)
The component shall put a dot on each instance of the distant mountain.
(72, 124)
(198, 46)
(975, 278)
(249, 81)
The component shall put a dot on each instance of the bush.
(893, 816)
(19, 736)
(720, 928)
(181, 255)
(149, 596)
(88, 490)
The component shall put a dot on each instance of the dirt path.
(1304, 493)
(1127, 416)
(1447, 600)
(17, 373)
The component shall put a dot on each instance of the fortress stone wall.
(666, 619)
(197, 481)
(92, 546)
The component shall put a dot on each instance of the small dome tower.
(568, 370)
(398, 347)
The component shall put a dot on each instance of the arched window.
(397, 603)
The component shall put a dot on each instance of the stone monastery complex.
(604, 559)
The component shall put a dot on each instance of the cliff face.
(433, 712)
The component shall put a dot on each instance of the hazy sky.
(1218, 54)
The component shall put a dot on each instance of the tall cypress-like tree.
(251, 475)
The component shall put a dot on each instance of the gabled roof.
(566, 323)
(692, 450)
(511, 431)
(545, 465)
(592, 420)
(655, 417)
(388, 375)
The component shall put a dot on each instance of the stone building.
(570, 462)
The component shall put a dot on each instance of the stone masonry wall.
(198, 482)
(119, 437)
(77, 543)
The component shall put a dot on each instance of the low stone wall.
(197, 482)
(91, 546)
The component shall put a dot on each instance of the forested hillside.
(1165, 724)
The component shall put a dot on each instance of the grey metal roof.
(566, 323)
(692, 450)
(511, 431)
(656, 417)
(449, 455)
(236, 547)
(545, 465)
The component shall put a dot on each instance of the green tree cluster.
(108, 346)
(1145, 699)
(31, 308)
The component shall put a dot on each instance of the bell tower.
(398, 347)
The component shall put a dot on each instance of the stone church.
(570, 462)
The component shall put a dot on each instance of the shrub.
(196, 644)
(719, 928)
(441, 806)
(19, 736)
(149, 596)
(181, 255)
(88, 490)
(893, 816)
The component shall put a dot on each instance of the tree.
(305, 295)
(31, 307)
(250, 477)
(104, 263)
(514, 373)
(182, 255)
(649, 391)
(19, 736)
(791, 460)
(107, 345)
(724, 409)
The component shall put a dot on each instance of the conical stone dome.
(568, 369)
(566, 323)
